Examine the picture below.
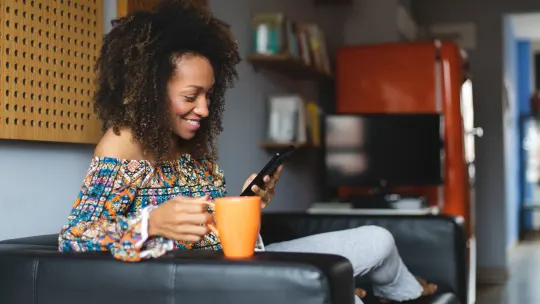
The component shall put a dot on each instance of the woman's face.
(189, 92)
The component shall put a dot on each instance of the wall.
(487, 70)
(406, 4)
(376, 21)
(39, 182)
(511, 130)
(369, 21)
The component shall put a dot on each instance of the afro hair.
(136, 61)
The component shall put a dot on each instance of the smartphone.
(270, 168)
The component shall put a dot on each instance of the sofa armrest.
(50, 240)
(31, 273)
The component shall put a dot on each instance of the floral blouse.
(111, 211)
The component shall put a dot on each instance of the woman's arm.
(98, 220)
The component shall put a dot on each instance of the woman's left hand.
(266, 194)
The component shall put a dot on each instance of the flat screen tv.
(383, 149)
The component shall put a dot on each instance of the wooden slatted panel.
(47, 52)
(125, 7)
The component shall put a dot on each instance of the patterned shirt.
(111, 211)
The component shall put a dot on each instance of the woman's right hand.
(181, 219)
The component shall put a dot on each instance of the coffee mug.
(238, 220)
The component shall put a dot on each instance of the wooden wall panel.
(47, 52)
(125, 7)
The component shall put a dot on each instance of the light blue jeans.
(371, 251)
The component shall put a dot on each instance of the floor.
(523, 287)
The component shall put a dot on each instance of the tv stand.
(347, 209)
(379, 197)
(371, 201)
(388, 201)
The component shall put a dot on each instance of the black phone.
(270, 168)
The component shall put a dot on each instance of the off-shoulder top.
(111, 211)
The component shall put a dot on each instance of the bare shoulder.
(119, 146)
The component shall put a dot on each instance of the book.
(317, 44)
(270, 33)
(313, 124)
(283, 118)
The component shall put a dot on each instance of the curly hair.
(138, 58)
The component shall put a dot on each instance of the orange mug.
(238, 220)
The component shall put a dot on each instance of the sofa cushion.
(432, 247)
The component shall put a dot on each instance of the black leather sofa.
(432, 246)
(32, 271)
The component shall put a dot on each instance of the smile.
(193, 122)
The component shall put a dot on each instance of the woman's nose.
(201, 108)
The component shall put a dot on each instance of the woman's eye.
(190, 98)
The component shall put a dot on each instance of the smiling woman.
(161, 100)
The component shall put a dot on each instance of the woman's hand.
(181, 219)
(266, 194)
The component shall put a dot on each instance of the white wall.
(38, 182)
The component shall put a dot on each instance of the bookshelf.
(296, 51)
(332, 2)
(271, 145)
(288, 66)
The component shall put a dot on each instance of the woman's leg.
(371, 250)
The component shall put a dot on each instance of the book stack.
(291, 119)
(275, 34)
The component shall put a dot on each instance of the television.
(383, 150)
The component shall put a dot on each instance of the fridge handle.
(476, 132)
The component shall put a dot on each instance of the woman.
(161, 81)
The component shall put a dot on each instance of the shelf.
(270, 145)
(287, 66)
(332, 2)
